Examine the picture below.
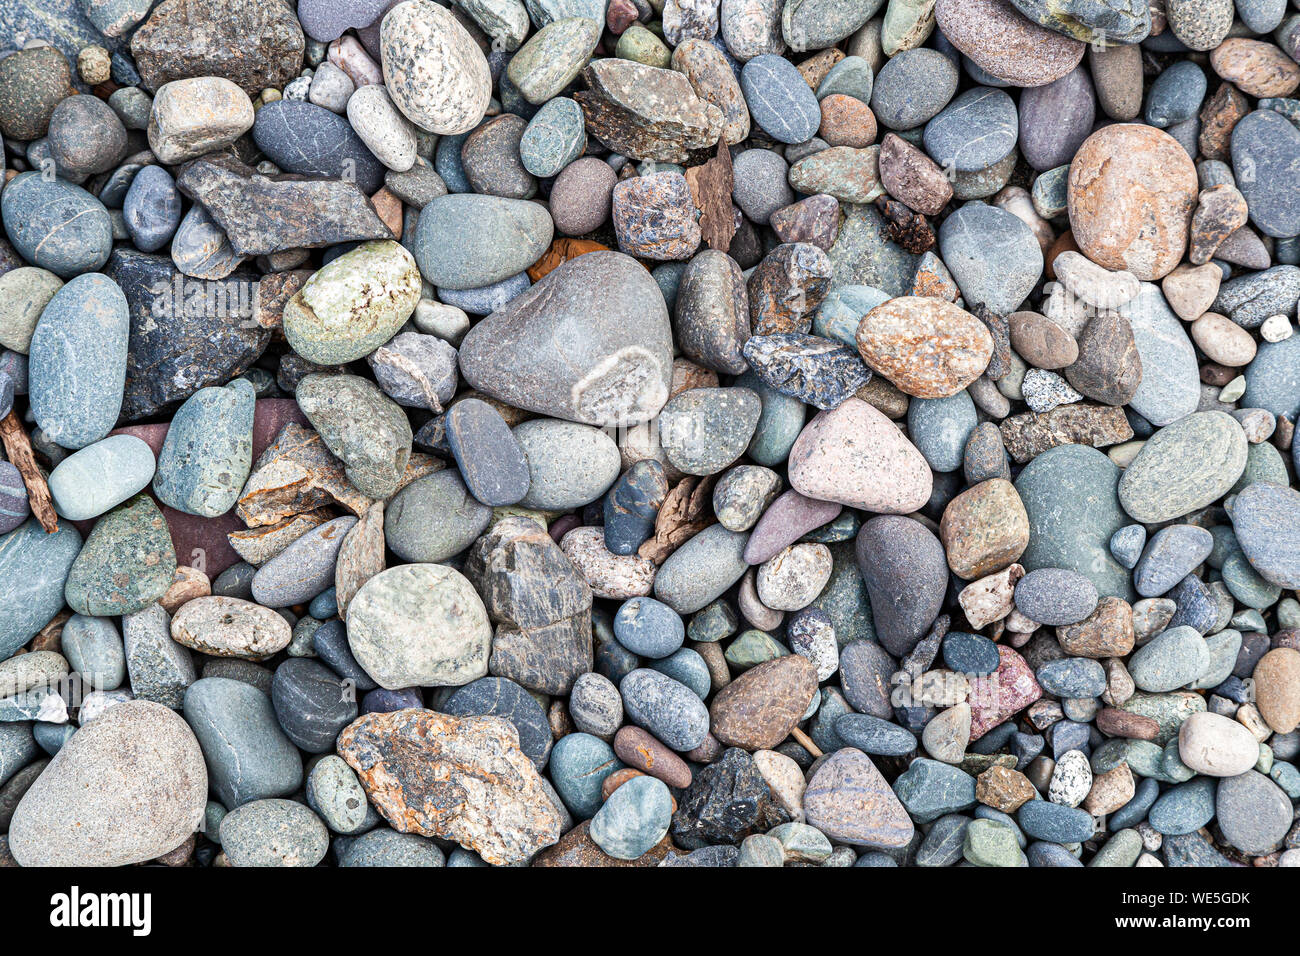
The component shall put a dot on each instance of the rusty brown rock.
(927, 347)
(1006, 44)
(296, 474)
(1003, 789)
(1256, 66)
(644, 752)
(1277, 689)
(1109, 368)
(1219, 115)
(459, 778)
(1132, 189)
(847, 121)
(1106, 632)
(984, 529)
(786, 288)
(274, 290)
(187, 584)
(1029, 435)
(912, 177)
(1220, 211)
(759, 708)
(711, 185)
(361, 556)
(814, 220)
(1110, 791)
(710, 76)
(577, 848)
(1122, 723)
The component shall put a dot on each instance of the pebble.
(779, 100)
(1168, 480)
(1005, 44)
(433, 70)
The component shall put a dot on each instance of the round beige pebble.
(794, 577)
(1216, 746)
(1223, 340)
(382, 127)
(613, 576)
(230, 627)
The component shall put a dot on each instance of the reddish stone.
(1003, 694)
(642, 751)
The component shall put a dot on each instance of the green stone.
(753, 648)
(639, 44)
(208, 452)
(991, 843)
(126, 564)
(1184, 466)
(362, 426)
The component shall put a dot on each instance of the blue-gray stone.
(385, 847)
(940, 427)
(555, 137)
(486, 299)
(1246, 585)
(976, 130)
(1195, 605)
(1054, 822)
(1252, 297)
(1135, 811)
(1267, 144)
(1176, 95)
(93, 648)
(971, 654)
(1264, 520)
(779, 422)
(1050, 854)
(464, 241)
(1072, 677)
(1184, 808)
(1173, 553)
(1127, 543)
(447, 163)
(152, 208)
(702, 569)
(874, 735)
(779, 99)
(1055, 596)
(208, 452)
(324, 605)
(491, 462)
(304, 138)
(992, 255)
(78, 361)
(667, 708)
(311, 703)
(912, 87)
(1172, 659)
(303, 569)
(942, 846)
(34, 567)
(634, 818)
(56, 225)
(1191, 849)
(1069, 493)
(632, 505)
(248, 755)
(687, 667)
(1254, 813)
(579, 765)
(1273, 378)
(101, 476)
(852, 76)
(330, 642)
(929, 789)
(1171, 387)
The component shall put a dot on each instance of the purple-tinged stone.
(1055, 119)
(788, 519)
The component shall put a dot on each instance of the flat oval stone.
(906, 575)
(1173, 553)
(433, 69)
(208, 452)
(929, 348)
(1132, 167)
(77, 362)
(759, 708)
(56, 225)
(1265, 142)
(464, 241)
(634, 818)
(1172, 659)
(1170, 384)
(1184, 466)
(304, 569)
(128, 787)
(850, 802)
(33, 568)
(1254, 813)
(304, 138)
(1069, 494)
(649, 628)
(152, 207)
(419, 624)
(779, 99)
(230, 627)
(855, 456)
(311, 703)
(354, 304)
(95, 479)
(554, 137)
(1055, 119)
(1005, 44)
(580, 763)
(1216, 745)
(490, 459)
(703, 430)
(273, 833)
(1264, 519)
(992, 254)
(976, 130)
(1055, 596)
(247, 754)
(665, 707)
(553, 57)
(701, 570)
(912, 87)
(601, 366)
(434, 518)
(569, 465)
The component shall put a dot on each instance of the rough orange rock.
(459, 778)
(927, 347)
(984, 529)
(1132, 189)
(1256, 67)
(759, 708)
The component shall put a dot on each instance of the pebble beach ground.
(650, 433)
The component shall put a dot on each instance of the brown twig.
(18, 448)
(804, 741)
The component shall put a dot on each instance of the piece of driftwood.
(18, 449)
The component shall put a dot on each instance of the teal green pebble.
(56, 225)
(779, 422)
(686, 667)
(208, 452)
(127, 563)
(634, 818)
(33, 568)
(579, 765)
(555, 137)
(989, 843)
(101, 476)
(77, 361)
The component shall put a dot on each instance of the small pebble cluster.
(650, 433)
